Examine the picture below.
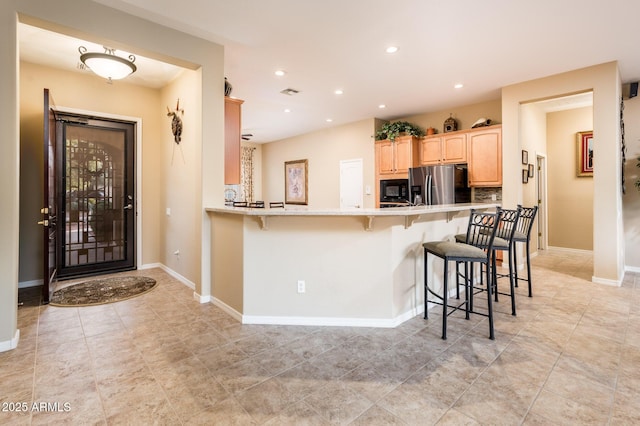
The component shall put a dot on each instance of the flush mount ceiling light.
(107, 64)
(392, 49)
(458, 86)
(280, 73)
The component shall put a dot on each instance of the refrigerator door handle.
(428, 192)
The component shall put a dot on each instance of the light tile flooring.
(571, 356)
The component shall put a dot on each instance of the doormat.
(101, 291)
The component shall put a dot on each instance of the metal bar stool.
(523, 235)
(503, 241)
(480, 233)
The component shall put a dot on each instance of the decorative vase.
(431, 131)
(227, 87)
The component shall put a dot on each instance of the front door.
(96, 188)
(49, 205)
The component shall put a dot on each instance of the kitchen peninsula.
(298, 265)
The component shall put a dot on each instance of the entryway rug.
(101, 291)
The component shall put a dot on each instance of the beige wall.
(631, 200)
(94, 22)
(605, 82)
(464, 115)
(84, 92)
(180, 166)
(324, 150)
(570, 198)
(534, 141)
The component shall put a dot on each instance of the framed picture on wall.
(530, 170)
(585, 154)
(296, 182)
(525, 157)
(525, 176)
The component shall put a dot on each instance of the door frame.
(138, 189)
(542, 202)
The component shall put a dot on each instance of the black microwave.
(394, 190)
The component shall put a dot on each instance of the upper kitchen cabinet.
(444, 149)
(232, 136)
(394, 158)
(485, 156)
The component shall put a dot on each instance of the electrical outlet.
(301, 286)
(493, 197)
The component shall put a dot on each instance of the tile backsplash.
(485, 195)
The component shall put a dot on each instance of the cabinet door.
(403, 158)
(430, 150)
(232, 129)
(385, 157)
(485, 157)
(454, 148)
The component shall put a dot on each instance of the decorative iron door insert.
(96, 230)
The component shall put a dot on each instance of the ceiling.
(336, 44)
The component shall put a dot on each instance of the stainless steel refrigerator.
(444, 184)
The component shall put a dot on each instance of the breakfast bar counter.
(298, 265)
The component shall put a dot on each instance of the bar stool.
(503, 241)
(523, 235)
(480, 233)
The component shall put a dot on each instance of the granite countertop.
(291, 210)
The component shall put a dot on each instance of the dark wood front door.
(49, 205)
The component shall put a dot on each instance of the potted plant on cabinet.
(392, 130)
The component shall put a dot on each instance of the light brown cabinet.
(485, 156)
(232, 136)
(395, 158)
(444, 149)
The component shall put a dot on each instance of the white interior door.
(351, 184)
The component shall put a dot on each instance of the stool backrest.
(527, 216)
(482, 229)
(509, 222)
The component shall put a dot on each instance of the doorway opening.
(96, 181)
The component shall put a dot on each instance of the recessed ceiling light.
(338, 92)
(392, 49)
(280, 73)
(382, 106)
(458, 86)
(329, 120)
(287, 110)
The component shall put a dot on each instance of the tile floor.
(571, 356)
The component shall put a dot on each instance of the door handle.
(128, 207)
(44, 223)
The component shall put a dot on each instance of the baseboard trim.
(605, 281)
(331, 321)
(32, 283)
(171, 272)
(229, 310)
(7, 345)
(632, 268)
(569, 250)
